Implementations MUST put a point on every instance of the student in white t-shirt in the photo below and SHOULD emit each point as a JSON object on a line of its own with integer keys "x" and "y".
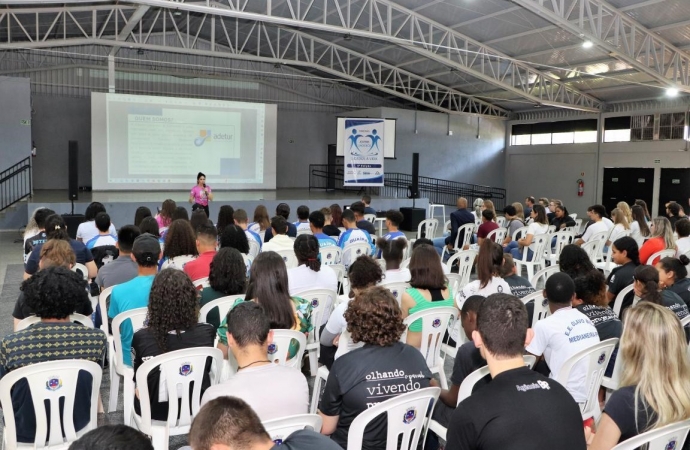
{"x": 562, "y": 334}
{"x": 302, "y": 224}
{"x": 621, "y": 224}
{"x": 489, "y": 281}
{"x": 393, "y": 250}
{"x": 539, "y": 225}
{"x": 103, "y": 237}
{"x": 596, "y": 214}
{"x": 87, "y": 230}
{"x": 683, "y": 241}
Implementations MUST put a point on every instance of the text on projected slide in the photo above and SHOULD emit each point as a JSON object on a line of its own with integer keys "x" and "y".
{"x": 206, "y": 138}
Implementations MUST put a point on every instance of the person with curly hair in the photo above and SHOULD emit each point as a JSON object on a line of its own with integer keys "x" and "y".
{"x": 226, "y": 215}
{"x": 574, "y": 261}
{"x": 172, "y": 324}
{"x": 227, "y": 276}
{"x": 364, "y": 377}
{"x": 88, "y": 230}
{"x": 165, "y": 214}
{"x": 392, "y": 251}
{"x": 180, "y": 241}
{"x": 52, "y": 294}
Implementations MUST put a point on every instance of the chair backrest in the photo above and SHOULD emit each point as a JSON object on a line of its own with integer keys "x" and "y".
{"x": 398, "y": 289}
{"x": 103, "y": 302}
{"x": 248, "y": 260}
{"x": 82, "y": 270}
{"x": 340, "y": 272}
{"x": 595, "y": 359}
{"x": 435, "y": 322}
{"x": 501, "y": 221}
{"x": 322, "y": 301}
{"x": 454, "y": 280}
{"x": 670, "y": 437}
{"x": 254, "y": 248}
{"x": 540, "y": 242}
{"x": 182, "y": 371}
{"x": 137, "y": 317}
{"x": 370, "y": 217}
{"x": 78, "y": 318}
{"x": 573, "y": 216}
{"x": 466, "y": 232}
{"x": 428, "y": 226}
{"x": 223, "y": 304}
{"x": 541, "y": 306}
{"x": 667, "y": 253}
{"x": 353, "y": 251}
{"x": 302, "y": 231}
{"x": 519, "y": 233}
{"x": 498, "y": 235}
{"x": 278, "y": 350}
{"x": 279, "y": 429}
{"x": 407, "y": 416}
{"x": 544, "y": 274}
{"x": 685, "y": 321}
{"x": 104, "y": 254}
{"x": 330, "y": 255}
{"x": 465, "y": 259}
{"x": 201, "y": 283}
{"x": 52, "y": 382}
{"x": 563, "y": 238}
{"x": 382, "y": 264}
{"x": 405, "y": 264}
{"x": 467, "y": 385}
{"x": 289, "y": 257}
{"x": 594, "y": 247}
{"x": 178, "y": 262}
{"x": 618, "y": 302}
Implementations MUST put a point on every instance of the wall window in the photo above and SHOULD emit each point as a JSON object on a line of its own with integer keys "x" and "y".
{"x": 521, "y": 139}
{"x": 547, "y": 133}
{"x": 585, "y": 137}
{"x": 617, "y": 129}
{"x": 617, "y": 135}
{"x": 563, "y": 138}
{"x": 541, "y": 139}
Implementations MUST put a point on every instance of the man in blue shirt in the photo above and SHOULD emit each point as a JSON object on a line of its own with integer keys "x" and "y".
{"x": 457, "y": 219}
{"x": 316, "y": 223}
{"x": 393, "y": 220}
{"x": 367, "y": 201}
{"x": 353, "y": 235}
{"x": 242, "y": 221}
{"x": 358, "y": 209}
{"x": 135, "y": 293}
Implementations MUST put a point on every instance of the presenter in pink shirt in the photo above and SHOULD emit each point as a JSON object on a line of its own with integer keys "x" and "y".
{"x": 200, "y": 194}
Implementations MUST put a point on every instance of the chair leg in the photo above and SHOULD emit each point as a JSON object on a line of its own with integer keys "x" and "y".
{"x": 114, "y": 389}
{"x": 313, "y": 361}
{"x": 442, "y": 376}
{"x": 315, "y": 396}
{"x": 128, "y": 400}
{"x": 160, "y": 437}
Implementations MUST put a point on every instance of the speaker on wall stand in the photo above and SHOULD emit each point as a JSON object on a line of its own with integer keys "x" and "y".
{"x": 73, "y": 220}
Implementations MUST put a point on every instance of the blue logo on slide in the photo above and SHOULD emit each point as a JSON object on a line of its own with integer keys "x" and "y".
{"x": 204, "y": 135}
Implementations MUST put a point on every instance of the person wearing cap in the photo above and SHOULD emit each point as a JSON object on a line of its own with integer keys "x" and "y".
{"x": 133, "y": 294}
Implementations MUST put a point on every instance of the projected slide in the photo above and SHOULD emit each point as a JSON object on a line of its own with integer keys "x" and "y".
{"x": 161, "y": 143}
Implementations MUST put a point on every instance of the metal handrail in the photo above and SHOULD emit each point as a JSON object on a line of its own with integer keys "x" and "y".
{"x": 15, "y": 183}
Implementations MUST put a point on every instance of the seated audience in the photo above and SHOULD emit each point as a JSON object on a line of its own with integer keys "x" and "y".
{"x": 329, "y": 227}
{"x": 103, "y": 237}
{"x": 57, "y": 229}
{"x": 527, "y": 210}
{"x": 513, "y": 222}
{"x": 362, "y": 274}
{"x": 683, "y": 241}
{"x": 538, "y": 225}
{"x": 457, "y": 219}
{"x": 562, "y": 334}
{"x": 626, "y": 255}
{"x": 639, "y": 229}
{"x": 54, "y": 253}
{"x": 241, "y": 220}
{"x": 165, "y": 214}
{"x": 199, "y": 218}
{"x": 180, "y": 213}
{"x": 573, "y": 261}
{"x": 87, "y": 229}
{"x": 226, "y": 216}
{"x": 38, "y": 234}
{"x": 280, "y": 239}
{"x": 642, "y": 204}
{"x": 551, "y": 208}
{"x": 227, "y": 276}
{"x": 206, "y": 241}
{"x": 180, "y": 242}
{"x": 358, "y": 209}
{"x": 171, "y": 324}
{"x": 478, "y": 207}
{"x": 654, "y": 391}
{"x": 392, "y": 251}
{"x": 282, "y": 210}
{"x": 135, "y": 293}
{"x": 302, "y": 223}
{"x": 596, "y": 214}
{"x": 425, "y": 241}
{"x": 317, "y": 221}
{"x": 272, "y": 390}
{"x": 661, "y": 239}
{"x": 647, "y": 288}
{"x": 310, "y": 273}
{"x": 490, "y": 419}
{"x": 561, "y": 218}
{"x": 367, "y": 205}
{"x": 31, "y": 228}
{"x": 620, "y": 225}
{"x": 489, "y": 281}
{"x": 393, "y": 220}
{"x": 428, "y": 289}
{"x": 625, "y": 209}
{"x": 113, "y": 437}
{"x": 519, "y": 286}
{"x": 374, "y": 318}
{"x": 488, "y": 204}
{"x": 123, "y": 268}
{"x": 261, "y": 221}
{"x": 52, "y": 294}
{"x": 673, "y": 211}
{"x": 488, "y": 225}
{"x": 673, "y": 274}
{"x": 140, "y": 214}
{"x": 225, "y": 422}
{"x": 353, "y": 235}
{"x": 150, "y": 226}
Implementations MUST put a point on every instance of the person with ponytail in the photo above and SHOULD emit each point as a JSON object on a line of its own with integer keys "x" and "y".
{"x": 639, "y": 229}
{"x": 57, "y": 229}
{"x": 654, "y": 389}
{"x": 647, "y": 289}
{"x": 310, "y": 273}
{"x": 489, "y": 281}
{"x": 672, "y": 276}
{"x": 392, "y": 251}
{"x": 626, "y": 255}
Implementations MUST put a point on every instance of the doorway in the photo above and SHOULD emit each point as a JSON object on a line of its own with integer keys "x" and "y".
{"x": 674, "y": 187}
{"x": 627, "y": 184}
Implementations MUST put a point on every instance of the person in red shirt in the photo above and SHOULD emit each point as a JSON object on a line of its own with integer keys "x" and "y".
{"x": 661, "y": 239}
{"x": 206, "y": 242}
{"x": 487, "y": 226}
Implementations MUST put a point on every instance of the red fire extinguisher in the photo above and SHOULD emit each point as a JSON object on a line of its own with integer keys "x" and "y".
{"x": 580, "y": 187}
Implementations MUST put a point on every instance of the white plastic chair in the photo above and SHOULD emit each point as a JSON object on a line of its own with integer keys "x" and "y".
{"x": 465, "y": 259}
{"x": 670, "y": 437}
{"x": 540, "y": 242}
{"x": 248, "y": 260}
{"x": 405, "y": 264}
{"x": 432, "y": 210}
{"x": 397, "y": 289}
{"x": 466, "y": 231}
{"x": 279, "y": 429}
{"x": 103, "y": 302}
{"x": 454, "y": 281}
{"x": 544, "y": 275}
{"x": 319, "y": 381}
{"x": 435, "y": 323}
{"x": 519, "y": 233}
{"x": 78, "y": 318}
{"x": 201, "y": 283}
{"x": 407, "y": 416}
{"x": 685, "y": 321}
{"x": 573, "y": 216}
{"x": 178, "y": 262}
{"x": 340, "y": 272}
{"x": 430, "y": 226}
{"x": 618, "y": 302}
{"x": 304, "y": 231}
{"x": 563, "y": 238}
{"x": 330, "y": 255}
{"x": 607, "y": 265}
{"x": 353, "y": 251}
{"x": 667, "y": 253}
{"x": 50, "y": 382}
{"x": 501, "y": 221}
{"x": 578, "y": 225}
{"x": 278, "y": 349}
{"x": 254, "y": 248}
{"x": 594, "y": 247}
{"x": 289, "y": 257}
{"x": 137, "y": 317}
{"x": 179, "y": 369}
{"x": 322, "y": 301}
{"x": 370, "y": 217}
{"x": 81, "y": 269}
{"x": 597, "y": 359}
{"x": 498, "y": 235}
{"x": 223, "y": 304}
{"x": 541, "y": 306}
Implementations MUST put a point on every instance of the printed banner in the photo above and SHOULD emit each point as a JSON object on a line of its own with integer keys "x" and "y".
{"x": 364, "y": 152}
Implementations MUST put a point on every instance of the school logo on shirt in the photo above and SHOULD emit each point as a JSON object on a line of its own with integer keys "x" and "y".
{"x": 314, "y": 302}
{"x": 602, "y": 358}
{"x": 278, "y": 441}
{"x": 186, "y": 369}
{"x": 545, "y": 303}
{"x": 410, "y": 416}
{"x": 272, "y": 349}
{"x": 436, "y": 323}
{"x": 53, "y": 383}
{"x": 671, "y": 445}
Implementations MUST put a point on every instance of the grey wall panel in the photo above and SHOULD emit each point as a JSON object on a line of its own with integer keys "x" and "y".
{"x": 15, "y": 105}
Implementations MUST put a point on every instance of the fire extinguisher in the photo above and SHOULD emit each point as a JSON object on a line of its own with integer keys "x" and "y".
{"x": 580, "y": 187}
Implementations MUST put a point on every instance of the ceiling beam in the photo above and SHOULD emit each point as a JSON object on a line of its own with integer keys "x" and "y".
{"x": 134, "y": 20}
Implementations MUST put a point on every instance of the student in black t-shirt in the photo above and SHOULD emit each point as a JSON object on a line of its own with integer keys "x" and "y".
{"x": 362, "y": 223}
{"x": 647, "y": 289}
{"x": 654, "y": 380}
{"x": 672, "y": 276}
{"x": 40, "y": 217}
{"x": 626, "y": 255}
{"x": 113, "y": 437}
{"x": 574, "y": 261}
{"x": 520, "y": 409}
{"x": 172, "y": 324}
{"x": 384, "y": 368}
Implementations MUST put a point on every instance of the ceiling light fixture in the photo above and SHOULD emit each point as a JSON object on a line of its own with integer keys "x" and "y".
{"x": 672, "y": 92}
{"x": 348, "y": 37}
{"x": 587, "y": 44}
{"x": 177, "y": 13}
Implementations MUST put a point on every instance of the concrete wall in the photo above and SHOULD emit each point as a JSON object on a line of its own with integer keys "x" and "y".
{"x": 15, "y": 105}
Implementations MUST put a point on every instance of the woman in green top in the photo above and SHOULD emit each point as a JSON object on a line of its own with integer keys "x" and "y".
{"x": 429, "y": 288}
{"x": 268, "y": 286}
{"x": 227, "y": 277}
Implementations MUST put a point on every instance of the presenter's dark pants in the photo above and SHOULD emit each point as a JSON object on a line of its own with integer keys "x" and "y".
{"x": 198, "y": 206}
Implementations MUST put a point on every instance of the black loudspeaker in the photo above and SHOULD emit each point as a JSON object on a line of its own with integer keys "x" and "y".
{"x": 73, "y": 221}
{"x": 414, "y": 188}
{"x": 411, "y": 218}
{"x": 73, "y": 170}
